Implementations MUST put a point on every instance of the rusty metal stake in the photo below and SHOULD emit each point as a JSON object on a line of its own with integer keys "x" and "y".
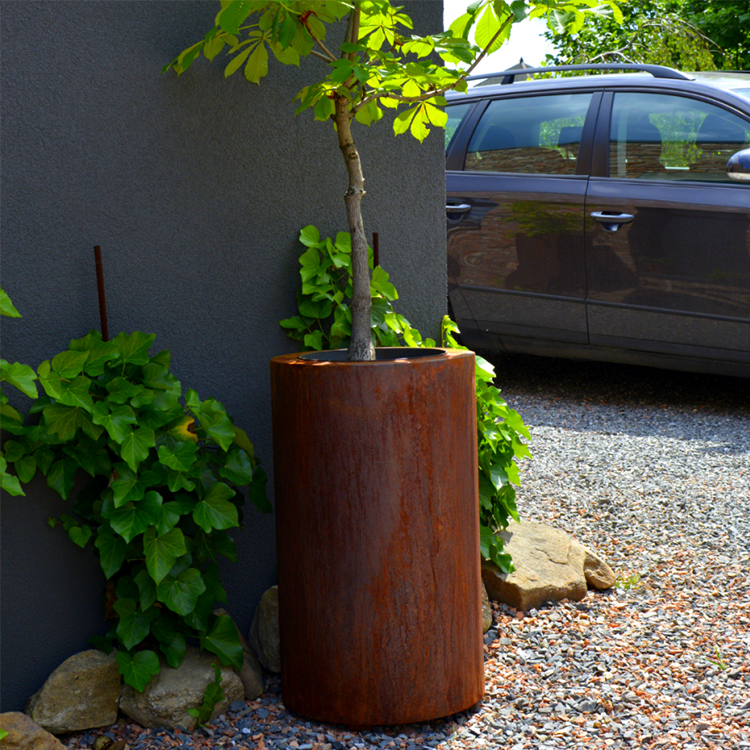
{"x": 375, "y": 250}
{"x": 102, "y": 299}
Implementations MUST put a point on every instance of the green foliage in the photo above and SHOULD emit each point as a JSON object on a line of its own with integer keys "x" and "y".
{"x": 21, "y": 377}
{"x": 727, "y": 23}
{"x": 324, "y": 300}
{"x": 661, "y": 32}
{"x": 380, "y": 63}
{"x": 162, "y": 492}
{"x": 324, "y": 322}
{"x": 211, "y": 698}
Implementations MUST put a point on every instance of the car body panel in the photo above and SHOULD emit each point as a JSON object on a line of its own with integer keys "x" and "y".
{"x": 530, "y": 270}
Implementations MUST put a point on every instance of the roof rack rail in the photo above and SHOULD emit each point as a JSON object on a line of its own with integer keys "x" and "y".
{"x": 657, "y": 71}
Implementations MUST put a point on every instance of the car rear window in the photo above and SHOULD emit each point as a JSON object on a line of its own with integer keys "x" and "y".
{"x": 529, "y": 135}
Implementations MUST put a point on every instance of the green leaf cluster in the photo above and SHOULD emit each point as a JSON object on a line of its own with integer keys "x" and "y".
{"x": 163, "y": 474}
{"x": 324, "y": 299}
{"x": 22, "y": 378}
{"x": 324, "y": 322}
{"x": 683, "y": 34}
{"x": 381, "y": 63}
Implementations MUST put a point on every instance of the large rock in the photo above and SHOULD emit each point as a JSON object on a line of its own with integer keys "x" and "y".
{"x": 24, "y": 734}
{"x": 167, "y": 697}
{"x": 486, "y": 610}
{"x": 251, "y": 674}
{"x": 264, "y": 631}
{"x": 82, "y": 693}
{"x": 549, "y": 566}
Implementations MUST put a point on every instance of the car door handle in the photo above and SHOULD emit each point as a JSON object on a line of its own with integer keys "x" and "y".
{"x": 611, "y": 222}
{"x": 461, "y": 208}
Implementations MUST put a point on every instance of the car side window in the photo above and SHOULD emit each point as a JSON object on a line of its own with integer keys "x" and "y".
{"x": 658, "y": 137}
{"x": 529, "y": 135}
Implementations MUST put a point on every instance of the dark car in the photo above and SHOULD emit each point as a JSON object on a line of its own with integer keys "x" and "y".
{"x": 596, "y": 217}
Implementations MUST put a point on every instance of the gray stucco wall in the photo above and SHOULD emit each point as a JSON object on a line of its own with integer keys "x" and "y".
{"x": 195, "y": 188}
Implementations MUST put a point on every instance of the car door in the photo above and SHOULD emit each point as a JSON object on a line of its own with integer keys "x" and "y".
{"x": 515, "y": 239}
{"x": 668, "y": 248}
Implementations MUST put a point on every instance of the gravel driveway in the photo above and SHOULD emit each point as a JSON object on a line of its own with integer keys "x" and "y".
{"x": 652, "y": 469}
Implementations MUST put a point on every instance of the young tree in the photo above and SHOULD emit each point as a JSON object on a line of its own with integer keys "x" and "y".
{"x": 379, "y": 64}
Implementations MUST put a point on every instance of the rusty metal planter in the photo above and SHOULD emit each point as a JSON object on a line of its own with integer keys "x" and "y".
{"x": 375, "y": 471}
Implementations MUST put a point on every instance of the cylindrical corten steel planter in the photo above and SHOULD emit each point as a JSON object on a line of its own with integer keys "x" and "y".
{"x": 375, "y": 472}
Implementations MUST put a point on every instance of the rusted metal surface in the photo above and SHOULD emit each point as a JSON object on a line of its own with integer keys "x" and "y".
{"x": 375, "y": 469}
{"x": 102, "y": 298}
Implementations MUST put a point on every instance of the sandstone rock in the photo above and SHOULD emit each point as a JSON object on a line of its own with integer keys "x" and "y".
{"x": 598, "y": 574}
{"x": 251, "y": 674}
{"x": 166, "y": 699}
{"x": 549, "y": 567}
{"x": 264, "y": 632}
{"x": 24, "y": 734}
{"x": 486, "y": 610}
{"x": 82, "y": 693}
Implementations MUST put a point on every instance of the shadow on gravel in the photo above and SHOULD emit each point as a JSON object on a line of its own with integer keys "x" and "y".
{"x": 616, "y": 384}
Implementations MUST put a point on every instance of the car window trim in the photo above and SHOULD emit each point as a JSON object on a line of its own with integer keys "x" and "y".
{"x": 456, "y": 156}
{"x": 456, "y": 160}
{"x": 600, "y": 163}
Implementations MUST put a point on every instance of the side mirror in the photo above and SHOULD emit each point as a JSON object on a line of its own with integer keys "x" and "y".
{"x": 738, "y": 166}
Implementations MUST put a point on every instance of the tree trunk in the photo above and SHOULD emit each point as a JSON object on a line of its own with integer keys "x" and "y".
{"x": 360, "y": 348}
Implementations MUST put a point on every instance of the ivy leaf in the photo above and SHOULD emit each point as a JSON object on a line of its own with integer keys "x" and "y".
{"x": 181, "y": 594}
{"x": 25, "y": 468}
{"x": 257, "y": 491}
{"x": 6, "y": 306}
{"x": 215, "y": 511}
{"x": 93, "y": 460}
{"x": 146, "y": 590}
{"x": 20, "y": 376}
{"x": 45, "y": 457}
{"x": 224, "y": 641}
{"x": 181, "y": 458}
{"x": 63, "y": 421}
{"x": 61, "y": 476}
{"x": 80, "y": 535}
{"x": 162, "y": 552}
{"x": 135, "y": 446}
{"x": 174, "y": 649}
{"x": 167, "y": 518}
{"x": 219, "y": 427}
{"x": 112, "y": 551}
{"x": 134, "y": 625}
{"x": 69, "y": 364}
{"x": 99, "y": 355}
{"x": 238, "y": 467}
{"x": 122, "y": 390}
{"x": 137, "y": 670}
{"x": 8, "y": 482}
{"x": 76, "y": 393}
{"x": 116, "y": 422}
{"x": 135, "y": 347}
{"x": 131, "y": 519}
{"x": 129, "y": 486}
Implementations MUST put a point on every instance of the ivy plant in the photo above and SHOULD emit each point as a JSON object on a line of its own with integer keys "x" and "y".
{"x": 212, "y": 695}
{"x": 379, "y": 64}
{"x": 163, "y": 473}
{"x": 324, "y": 303}
{"x": 21, "y": 377}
